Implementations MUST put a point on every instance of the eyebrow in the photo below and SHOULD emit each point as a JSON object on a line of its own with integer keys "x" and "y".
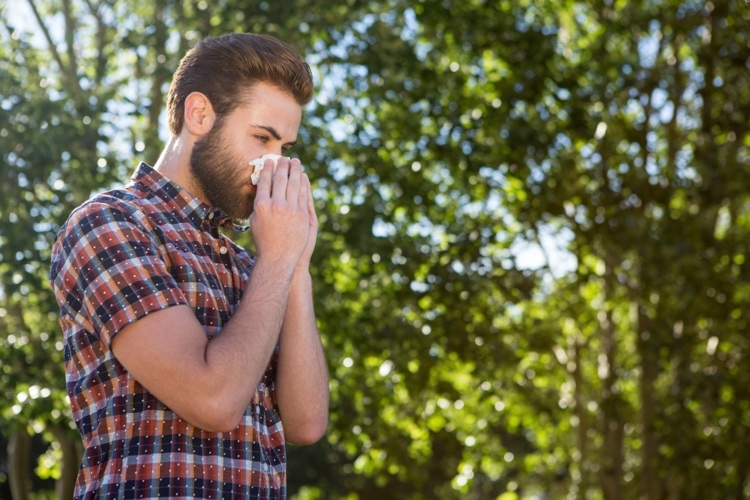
{"x": 274, "y": 133}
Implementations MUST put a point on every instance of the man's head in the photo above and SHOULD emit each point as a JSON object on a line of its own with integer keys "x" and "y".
{"x": 225, "y": 68}
{"x": 220, "y": 159}
{"x": 234, "y": 98}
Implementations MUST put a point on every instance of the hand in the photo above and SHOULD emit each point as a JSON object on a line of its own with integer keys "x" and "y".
{"x": 280, "y": 220}
{"x": 312, "y": 236}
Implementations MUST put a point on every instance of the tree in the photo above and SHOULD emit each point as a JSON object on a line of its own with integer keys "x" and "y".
{"x": 449, "y": 143}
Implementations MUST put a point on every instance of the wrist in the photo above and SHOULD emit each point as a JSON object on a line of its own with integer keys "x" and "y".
{"x": 302, "y": 271}
{"x": 280, "y": 267}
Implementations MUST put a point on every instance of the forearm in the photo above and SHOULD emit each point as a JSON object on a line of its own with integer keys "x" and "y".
{"x": 236, "y": 359}
{"x": 208, "y": 383}
{"x": 302, "y": 376}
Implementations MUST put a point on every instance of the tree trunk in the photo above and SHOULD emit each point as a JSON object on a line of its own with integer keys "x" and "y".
{"x": 161, "y": 75}
{"x": 580, "y": 412}
{"x": 19, "y": 448}
{"x": 612, "y": 425}
{"x": 742, "y": 466}
{"x": 650, "y": 485}
{"x": 71, "y": 459}
{"x": 741, "y": 479}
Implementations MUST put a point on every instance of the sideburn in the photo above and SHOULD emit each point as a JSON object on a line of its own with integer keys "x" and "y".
{"x": 215, "y": 170}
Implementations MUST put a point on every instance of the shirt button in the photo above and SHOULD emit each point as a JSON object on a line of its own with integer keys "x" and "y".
{"x": 223, "y": 250}
{"x": 211, "y": 215}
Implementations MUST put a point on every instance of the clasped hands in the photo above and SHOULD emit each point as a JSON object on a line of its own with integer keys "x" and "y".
{"x": 284, "y": 224}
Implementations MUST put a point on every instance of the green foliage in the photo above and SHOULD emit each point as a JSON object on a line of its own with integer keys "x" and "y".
{"x": 448, "y": 143}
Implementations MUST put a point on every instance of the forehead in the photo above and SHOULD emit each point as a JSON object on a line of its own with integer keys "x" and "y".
{"x": 268, "y": 105}
{"x": 262, "y": 93}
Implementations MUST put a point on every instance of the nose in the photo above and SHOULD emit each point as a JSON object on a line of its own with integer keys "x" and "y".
{"x": 271, "y": 151}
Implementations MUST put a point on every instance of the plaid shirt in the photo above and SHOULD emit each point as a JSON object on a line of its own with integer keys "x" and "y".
{"x": 123, "y": 254}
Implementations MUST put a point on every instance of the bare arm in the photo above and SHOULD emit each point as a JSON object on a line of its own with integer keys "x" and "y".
{"x": 302, "y": 377}
{"x": 210, "y": 383}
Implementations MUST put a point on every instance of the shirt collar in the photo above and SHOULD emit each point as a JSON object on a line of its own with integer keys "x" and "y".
{"x": 201, "y": 215}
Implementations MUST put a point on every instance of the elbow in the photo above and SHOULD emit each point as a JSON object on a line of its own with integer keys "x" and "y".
{"x": 221, "y": 423}
{"x": 218, "y": 416}
{"x": 308, "y": 432}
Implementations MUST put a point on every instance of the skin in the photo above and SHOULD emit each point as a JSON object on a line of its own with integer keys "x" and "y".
{"x": 211, "y": 383}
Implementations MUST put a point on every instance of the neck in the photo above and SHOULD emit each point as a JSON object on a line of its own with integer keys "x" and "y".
{"x": 174, "y": 163}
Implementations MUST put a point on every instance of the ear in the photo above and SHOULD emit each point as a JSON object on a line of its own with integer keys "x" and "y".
{"x": 199, "y": 114}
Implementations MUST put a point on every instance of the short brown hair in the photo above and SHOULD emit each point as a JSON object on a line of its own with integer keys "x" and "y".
{"x": 224, "y": 68}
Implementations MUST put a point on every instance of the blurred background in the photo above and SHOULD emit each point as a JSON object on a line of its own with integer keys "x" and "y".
{"x": 531, "y": 278}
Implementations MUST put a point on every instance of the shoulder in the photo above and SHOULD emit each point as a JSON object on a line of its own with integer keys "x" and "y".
{"x": 103, "y": 223}
{"x": 108, "y": 210}
{"x": 123, "y": 200}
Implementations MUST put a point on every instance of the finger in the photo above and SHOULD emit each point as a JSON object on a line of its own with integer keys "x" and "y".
{"x": 294, "y": 182}
{"x": 263, "y": 192}
{"x": 304, "y": 192}
{"x": 312, "y": 216}
{"x": 310, "y": 202}
{"x": 281, "y": 178}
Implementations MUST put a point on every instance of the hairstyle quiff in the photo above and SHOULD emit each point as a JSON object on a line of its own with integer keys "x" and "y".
{"x": 226, "y": 67}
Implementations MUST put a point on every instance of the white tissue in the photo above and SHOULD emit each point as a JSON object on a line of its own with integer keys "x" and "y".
{"x": 258, "y": 163}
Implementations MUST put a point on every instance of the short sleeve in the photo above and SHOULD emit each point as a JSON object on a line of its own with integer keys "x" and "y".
{"x": 108, "y": 270}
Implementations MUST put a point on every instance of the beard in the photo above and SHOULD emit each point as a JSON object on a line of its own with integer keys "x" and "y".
{"x": 220, "y": 174}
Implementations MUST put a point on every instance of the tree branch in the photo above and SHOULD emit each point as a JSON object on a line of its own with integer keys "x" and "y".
{"x": 48, "y": 36}
{"x": 72, "y": 73}
{"x": 101, "y": 40}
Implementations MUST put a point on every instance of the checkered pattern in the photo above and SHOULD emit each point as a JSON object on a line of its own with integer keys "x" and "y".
{"x": 123, "y": 254}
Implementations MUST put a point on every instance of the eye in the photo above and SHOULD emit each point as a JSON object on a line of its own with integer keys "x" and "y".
{"x": 262, "y": 138}
{"x": 286, "y": 147}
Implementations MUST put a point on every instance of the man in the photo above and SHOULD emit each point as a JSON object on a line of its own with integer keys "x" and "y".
{"x": 183, "y": 353}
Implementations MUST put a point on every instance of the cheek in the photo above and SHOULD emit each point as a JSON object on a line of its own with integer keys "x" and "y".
{"x": 247, "y": 152}
{"x": 237, "y": 147}
{"x": 240, "y": 155}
